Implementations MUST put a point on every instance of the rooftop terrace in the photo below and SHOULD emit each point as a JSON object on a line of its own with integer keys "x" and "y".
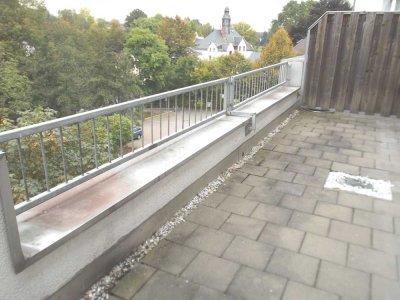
{"x": 154, "y": 218}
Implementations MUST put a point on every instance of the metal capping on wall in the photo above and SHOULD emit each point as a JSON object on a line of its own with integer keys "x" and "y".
{"x": 353, "y": 63}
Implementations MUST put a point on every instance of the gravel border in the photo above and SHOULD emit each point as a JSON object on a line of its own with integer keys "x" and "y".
{"x": 100, "y": 289}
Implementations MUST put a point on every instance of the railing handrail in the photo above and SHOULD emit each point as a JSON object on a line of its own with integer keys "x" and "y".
{"x": 258, "y": 70}
{"x": 87, "y": 115}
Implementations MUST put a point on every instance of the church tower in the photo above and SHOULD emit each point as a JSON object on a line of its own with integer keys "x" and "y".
{"x": 226, "y": 23}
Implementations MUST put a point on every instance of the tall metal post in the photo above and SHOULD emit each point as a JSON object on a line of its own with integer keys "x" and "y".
{"x": 8, "y": 215}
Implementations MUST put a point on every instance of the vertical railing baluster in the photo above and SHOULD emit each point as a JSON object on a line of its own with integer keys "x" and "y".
{"x": 151, "y": 117}
{"x": 80, "y": 148}
{"x": 168, "y": 115}
{"x": 142, "y": 119}
{"x": 44, "y": 160}
{"x": 22, "y": 167}
{"x": 220, "y": 98}
{"x": 195, "y": 107}
{"x": 176, "y": 113}
{"x": 206, "y": 101}
{"x": 120, "y": 136}
{"x": 183, "y": 111}
{"x": 108, "y": 139}
{"x": 132, "y": 128}
{"x": 190, "y": 111}
{"x": 160, "y": 114}
{"x": 211, "y": 100}
{"x": 201, "y": 105}
{"x": 63, "y": 155}
{"x": 95, "y": 142}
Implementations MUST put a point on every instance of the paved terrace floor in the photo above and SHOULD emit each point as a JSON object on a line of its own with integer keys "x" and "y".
{"x": 274, "y": 232}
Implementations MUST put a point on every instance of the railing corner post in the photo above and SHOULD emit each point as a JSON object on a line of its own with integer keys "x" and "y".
{"x": 9, "y": 216}
{"x": 228, "y": 95}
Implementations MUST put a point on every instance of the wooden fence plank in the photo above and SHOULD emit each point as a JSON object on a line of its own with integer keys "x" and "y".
{"x": 316, "y": 69}
{"x": 344, "y": 62}
{"x": 309, "y": 65}
{"x": 360, "y": 73}
{"x": 331, "y": 60}
{"x": 353, "y": 63}
{"x": 376, "y": 83}
{"x": 372, "y": 66}
{"x": 393, "y": 71}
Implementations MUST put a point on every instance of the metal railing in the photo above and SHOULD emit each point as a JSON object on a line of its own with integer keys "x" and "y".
{"x": 49, "y": 158}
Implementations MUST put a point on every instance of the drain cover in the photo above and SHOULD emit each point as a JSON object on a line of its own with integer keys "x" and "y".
{"x": 361, "y": 185}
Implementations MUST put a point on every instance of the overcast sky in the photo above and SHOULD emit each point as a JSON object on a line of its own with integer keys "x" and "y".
{"x": 258, "y": 14}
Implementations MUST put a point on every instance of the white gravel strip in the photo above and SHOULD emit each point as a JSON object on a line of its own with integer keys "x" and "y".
{"x": 100, "y": 289}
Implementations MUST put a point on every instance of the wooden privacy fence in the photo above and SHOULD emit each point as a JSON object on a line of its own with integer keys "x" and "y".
{"x": 354, "y": 63}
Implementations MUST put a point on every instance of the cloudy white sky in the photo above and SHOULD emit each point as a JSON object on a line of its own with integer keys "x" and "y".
{"x": 258, "y": 14}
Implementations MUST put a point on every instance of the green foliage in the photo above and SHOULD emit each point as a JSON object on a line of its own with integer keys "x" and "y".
{"x": 178, "y": 36}
{"x": 134, "y": 15}
{"x": 248, "y": 33}
{"x": 278, "y": 47}
{"x": 180, "y": 72}
{"x": 297, "y": 17}
{"x": 292, "y": 16}
{"x": 150, "y": 57}
{"x": 201, "y": 29}
{"x": 222, "y": 66}
{"x": 152, "y": 23}
{"x": 15, "y": 87}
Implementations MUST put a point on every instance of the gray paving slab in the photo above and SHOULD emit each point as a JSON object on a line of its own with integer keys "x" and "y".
{"x": 334, "y": 211}
{"x": 282, "y": 236}
{"x": 309, "y": 223}
{"x": 350, "y": 233}
{"x": 244, "y": 226}
{"x": 272, "y": 213}
{"x": 343, "y": 281}
{"x": 211, "y": 271}
{"x": 324, "y": 248}
{"x": 129, "y": 285}
{"x": 166, "y": 286}
{"x": 170, "y": 257}
{"x": 207, "y": 216}
{"x": 251, "y": 284}
{"x": 265, "y": 195}
{"x": 372, "y": 261}
{"x": 383, "y": 288}
{"x": 238, "y": 205}
{"x": 209, "y": 240}
{"x": 294, "y": 266}
{"x": 249, "y": 253}
{"x": 298, "y": 291}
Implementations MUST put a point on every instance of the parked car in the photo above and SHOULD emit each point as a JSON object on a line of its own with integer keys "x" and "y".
{"x": 137, "y": 133}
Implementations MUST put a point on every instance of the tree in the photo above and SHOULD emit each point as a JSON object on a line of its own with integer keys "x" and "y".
{"x": 248, "y": 33}
{"x": 150, "y": 58}
{"x": 293, "y": 13}
{"x": 201, "y": 29}
{"x": 15, "y": 89}
{"x": 133, "y": 15}
{"x": 178, "y": 35}
{"x": 220, "y": 67}
{"x": 278, "y": 47}
{"x": 180, "y": 72}
{"x": 152, "y": 23}
{"x": 298, "y": 17}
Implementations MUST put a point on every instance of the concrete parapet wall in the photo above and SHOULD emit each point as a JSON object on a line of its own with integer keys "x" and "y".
{"x": 82, "y": 258}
